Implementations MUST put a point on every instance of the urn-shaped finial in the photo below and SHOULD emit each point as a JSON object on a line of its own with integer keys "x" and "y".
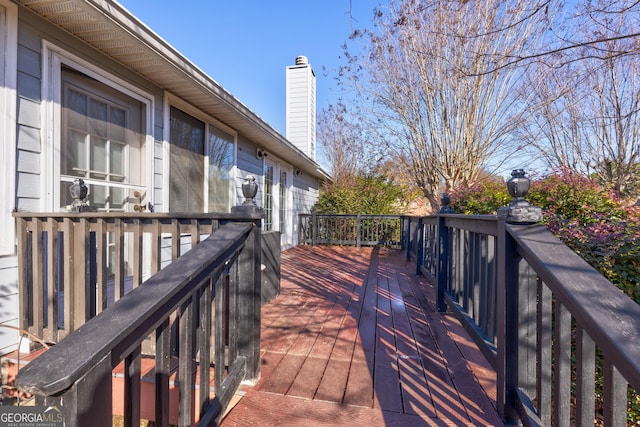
{"x": 518, "y": 185}
{"x": 519, "y": 210}
{"x": 79, "y": 192}
{"x": 444, "y": 203}
{"x": 249, "y": 190}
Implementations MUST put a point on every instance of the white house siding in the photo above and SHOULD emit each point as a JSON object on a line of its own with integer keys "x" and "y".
{"x": 305, "y": 195}
{"x": 8, "y": 304}
{"x": 247, "y": 164}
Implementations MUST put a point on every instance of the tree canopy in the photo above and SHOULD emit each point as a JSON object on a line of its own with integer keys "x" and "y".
{"x": 450, "y": 89}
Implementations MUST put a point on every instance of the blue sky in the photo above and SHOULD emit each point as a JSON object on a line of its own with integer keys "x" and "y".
{"x": 245, "y": 45}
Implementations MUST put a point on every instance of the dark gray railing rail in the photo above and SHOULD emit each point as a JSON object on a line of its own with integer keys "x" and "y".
{"x": 543, "y": 317}
{"x": 182, "y": 305}
{"x": 356, "y": 230}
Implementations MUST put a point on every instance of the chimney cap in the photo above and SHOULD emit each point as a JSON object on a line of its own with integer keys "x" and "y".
{"x": 301, "y": 60}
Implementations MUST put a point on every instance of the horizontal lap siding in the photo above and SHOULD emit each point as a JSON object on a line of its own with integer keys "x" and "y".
{"x": 248, "y": 164}
{"x": 305, "y": 195}
{"x": 8, "y": 304}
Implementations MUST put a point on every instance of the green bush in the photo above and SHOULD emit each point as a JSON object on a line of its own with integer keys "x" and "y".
{"x": 485, "y": 197}
{"x": 370, "y": 194}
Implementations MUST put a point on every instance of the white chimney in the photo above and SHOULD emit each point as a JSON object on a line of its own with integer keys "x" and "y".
{"x": 301, "y": 106}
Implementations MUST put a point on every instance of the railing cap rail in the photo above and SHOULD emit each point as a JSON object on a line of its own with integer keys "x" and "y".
{"x": 123, "y": 325}
{"x": 394, "y": 216}
{"x": 244, "y": 216}
{"x": 610, "y": 317}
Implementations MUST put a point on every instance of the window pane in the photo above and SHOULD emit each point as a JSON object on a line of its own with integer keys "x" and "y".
{"x": 117, "y": 124}
{"x": 77, "y": 109}
{"x": 98, "y": 156}
{"x": 116, "y": 159}
{"x": 75, "y": 161}
{"x": 268, "y": 197}
{"x": 283, "y": 201}
{"x": 65, "y": 194}
{"x": 220, "y": 152}
{"x": 116, "y": 198}
{"x": 98, "y": 196}
{"x": 186, "y": 172}
{"x": 98, "y": 118}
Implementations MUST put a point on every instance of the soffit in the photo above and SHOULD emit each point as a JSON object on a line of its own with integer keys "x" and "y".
{"x": 111, "y": 29}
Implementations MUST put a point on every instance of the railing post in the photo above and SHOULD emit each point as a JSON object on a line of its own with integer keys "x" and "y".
{"x": 250, "y": 290}
{"x": 409, "y": 239}
{"x": 443, "y": 253}
{"x": 443, "y": 263}
{"x": 420, "y": 247}
{"x": 80, "y": 404}
{"x": 506, "y": 323}
{"x": 358, "y": 230}
{"x": 516, "y": 304}
{"x": 314, "y": 229}
{"x": 249, "y": 286}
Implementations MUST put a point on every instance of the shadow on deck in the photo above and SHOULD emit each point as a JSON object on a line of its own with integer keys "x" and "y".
{"x": 354, "y": 339}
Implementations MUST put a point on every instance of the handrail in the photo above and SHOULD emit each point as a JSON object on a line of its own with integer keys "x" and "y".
{"x": 542, "y": 316}
{"x": 344, "y": 229}
{"x": 64, "y": 258}
{"x": 79, "y": 367}
{"x": 517, "y": 288}
{"x": 604, "y": 317}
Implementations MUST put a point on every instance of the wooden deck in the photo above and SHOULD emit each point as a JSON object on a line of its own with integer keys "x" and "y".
{"x": 354, "y": 339}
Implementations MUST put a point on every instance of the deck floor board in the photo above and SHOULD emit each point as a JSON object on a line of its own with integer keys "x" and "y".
{"x": 354, "y": 339}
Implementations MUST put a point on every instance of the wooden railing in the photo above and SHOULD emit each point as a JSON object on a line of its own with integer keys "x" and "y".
{"x": 357, "y": 230}
{"x": 544, "y": 318}
{"x": 183, "y": 307}
{"x": 73, "y": 265}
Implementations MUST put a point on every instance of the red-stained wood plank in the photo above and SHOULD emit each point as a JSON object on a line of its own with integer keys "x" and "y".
{"x": 387, "y": 387}
{"x": 307, "y": 337}
{"x": 309, "y": 377}
{"x": 268, "y": 363}
{"x": 323, "y": 346}
{"x": 416, "y": 396}
{"x": 334, "y": 381}
{"x": 285, "y": 332}
{"x": 284, "y": 374}
{"x": 367, "y": 325}
{"x": 359, "y": 385}
{"x": 474, "y": 397}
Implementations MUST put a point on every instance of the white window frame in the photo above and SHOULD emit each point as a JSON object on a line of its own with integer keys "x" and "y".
{"x": 275, "y": 195}
{"x": 8, "y": 120}
{"x": 170, "y": 100}
{"x": 54, "y": 58}
{"x": 278, "y": 167}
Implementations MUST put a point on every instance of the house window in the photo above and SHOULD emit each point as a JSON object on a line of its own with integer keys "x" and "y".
{"x": 101, "y": 142}
{"x": 186, "y": 173}
{"x": 200, "y": 173}
{"x": 268, "y": 197}
{"x": 220, "y": 151}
